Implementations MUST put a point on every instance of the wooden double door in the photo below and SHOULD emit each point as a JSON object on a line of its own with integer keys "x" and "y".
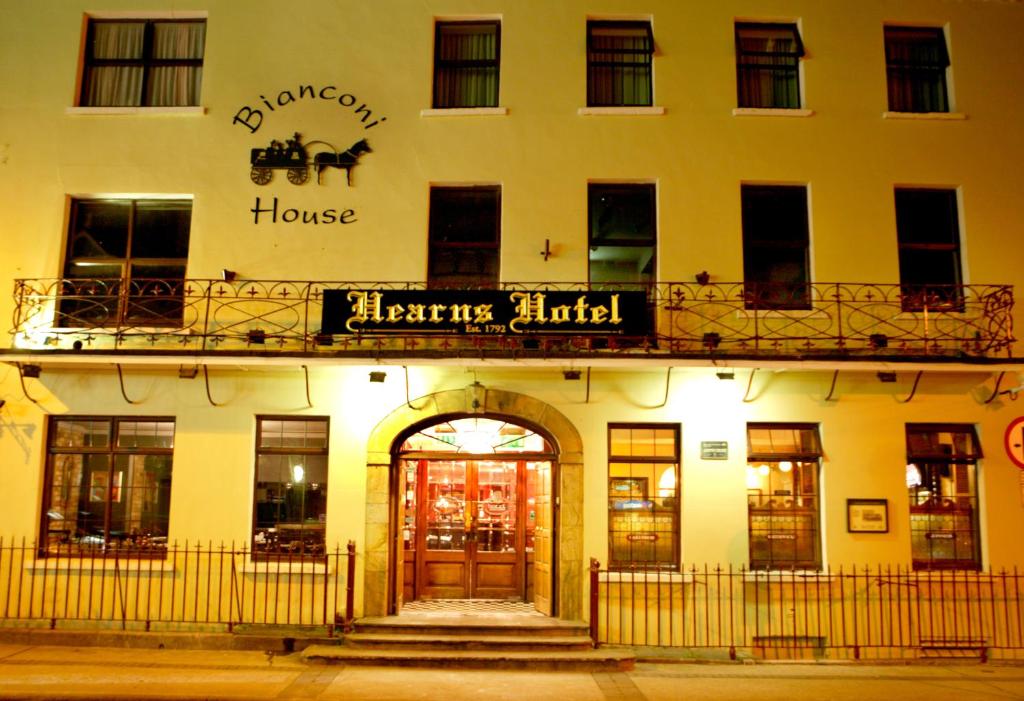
{"x": 471, "y": 527}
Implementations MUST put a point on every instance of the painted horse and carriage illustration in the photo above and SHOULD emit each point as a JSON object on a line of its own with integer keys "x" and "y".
{"x": 292, "y": 157}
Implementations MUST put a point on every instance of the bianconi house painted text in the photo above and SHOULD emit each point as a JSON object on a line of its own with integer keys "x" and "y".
{"x": 252, "y": 117}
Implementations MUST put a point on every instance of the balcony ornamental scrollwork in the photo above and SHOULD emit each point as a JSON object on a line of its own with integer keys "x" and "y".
{"x": 684, "y": 318}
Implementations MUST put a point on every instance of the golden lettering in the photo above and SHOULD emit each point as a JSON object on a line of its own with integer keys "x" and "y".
{"x": 395, "y": 312}
{"x": 529, "y": 309}
{"x": 435, "y": 313}
{"x": 599, "y": 314}
{"x": 482, "y": 313}
{"x": 365, "y": 307}
{"x": 461, "y": 313}
{"x": 416, "y": 313}
{"x": 560, "y": 314}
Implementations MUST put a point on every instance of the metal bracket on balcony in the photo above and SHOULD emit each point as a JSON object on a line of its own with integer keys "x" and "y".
{"x": 913, "y": 390}
{"x": 750, "y": 383}
{"x": 120, "y": 379}
{"x": 995, "y": 392}
{"x": 28, "y": 371}
{"x": 309, "y": 402}
{"x": 835, "y": 376}
{"x": 206, "y": 377}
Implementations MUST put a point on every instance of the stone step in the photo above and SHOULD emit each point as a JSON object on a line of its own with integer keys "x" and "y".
{"x": 541, "y": 627}
{"x": 477, "y": 641}
{"x": 568, "y": 660}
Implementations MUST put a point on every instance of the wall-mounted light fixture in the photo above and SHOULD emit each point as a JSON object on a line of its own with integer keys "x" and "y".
{"x": 726, "y": 375}
{"x": 257, "y": 336}
{"x": 377, "y": 375}
{"x": 31, "y": 370}
{"x": 188, "y": 372}
{"x": 228, "y": 275}
{"x": 571, "y": 374}
{"x": 878, "y": 340}
{"x": 886, "y": 376}
{"x": 703, "y": 277}
{"x": 323, "y": 339}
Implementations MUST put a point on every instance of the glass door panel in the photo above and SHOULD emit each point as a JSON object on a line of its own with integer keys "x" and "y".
{"x": 445, "y": 505}
{"x": 497, "y": 506}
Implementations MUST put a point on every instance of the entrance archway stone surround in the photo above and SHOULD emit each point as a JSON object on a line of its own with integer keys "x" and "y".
{"x": 476, "y": 399}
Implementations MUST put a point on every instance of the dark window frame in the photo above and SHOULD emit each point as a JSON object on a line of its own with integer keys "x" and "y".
{"x": 801, "y": 460}
{"x": 142, "y": 548}
{"x": 674, "y": 507}
{"x": 486, "y": 248}
{"x": 914, "y": 85}
{"x": 957, "y": 515}
{"x": 312, "y": 547}
{"x": 595, "y": 190}
{"x": 771, "y": 295}
{"x": 943, "y": 295}
{"x": 147, "y": 62}
{"x": 621, "y": 59}
{"x": 126, "y": 300}
{"x": 457, "y": 67}
{"x": 751, "y": 66}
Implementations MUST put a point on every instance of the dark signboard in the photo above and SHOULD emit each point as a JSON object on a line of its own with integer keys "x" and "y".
{"x": 620, "y": 313}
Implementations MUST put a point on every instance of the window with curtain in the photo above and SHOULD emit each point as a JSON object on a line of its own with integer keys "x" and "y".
{"x": 465, "y": 237}
{"x": 619, "y": 61}
{"x": 466, "y": 64}
{"x": 916, "y": 61}
{"x": 768, "y": 65}
{"x": 143, "y": 63}
{"x": 643, "y": 496}
{"x": 783, "y": 496}
{"x": 622, "y": 233}
{"x": 776, "y": 243}
{"x": 942, "y": 484}
{"x": 125, "y": 263}
{"x": 108, "y": 486}
{"x": 928, "y": 233}
{"x": 290, "y": 497}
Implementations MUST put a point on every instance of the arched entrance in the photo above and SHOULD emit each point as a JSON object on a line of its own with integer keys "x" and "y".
{"x": 384, "y": 539}
{"x": 475, "y": 509}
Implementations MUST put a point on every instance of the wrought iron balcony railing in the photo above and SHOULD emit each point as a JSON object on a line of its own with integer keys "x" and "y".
{"x": 681, "y": 319}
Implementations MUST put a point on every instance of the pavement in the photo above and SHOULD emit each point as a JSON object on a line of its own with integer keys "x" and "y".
{"x": 39, "y": 672}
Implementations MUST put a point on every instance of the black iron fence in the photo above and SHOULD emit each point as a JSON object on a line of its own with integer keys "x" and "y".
{"x": 870, "y": 612}
{"x": 684, "y": 319}
{"x": 192, "y": 584}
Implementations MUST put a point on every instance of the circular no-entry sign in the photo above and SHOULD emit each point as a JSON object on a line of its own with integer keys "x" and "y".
{"x": 1014, "y": 441}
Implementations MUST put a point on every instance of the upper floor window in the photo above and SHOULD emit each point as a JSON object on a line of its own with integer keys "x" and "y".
{"x": 623, "y": 232}
{"x": 916, "y": 61}
{"x": 768, "y": 65}
{"x": 776, "y": 243}
{"x": 942, "y": 483}
{"x": 783, "y": 496}
{"x": 465, "y": 236}
{"x": 643, "y": 496}
{"x": 108, "y": 485}
{"x": 619, "y": 58}
{"x": 290, "y": 512}
{"x": 466, "y": 64}
{"x": 143, "y": 63}
{"x": 928, "y": 231}
{"x": 125, "y": 263}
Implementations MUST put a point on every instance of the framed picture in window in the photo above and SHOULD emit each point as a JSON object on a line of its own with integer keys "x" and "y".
{"x": 633, "y": 487}
{"x": 867, "y": 515}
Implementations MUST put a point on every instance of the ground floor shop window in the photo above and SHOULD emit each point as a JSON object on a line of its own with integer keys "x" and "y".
{"x": 942, "y": 483}
{"x": 643, "y": 496}
{"x": 290, "y": 511}
{"x": 782, "y": 496}
{"x": 108, "y": 485}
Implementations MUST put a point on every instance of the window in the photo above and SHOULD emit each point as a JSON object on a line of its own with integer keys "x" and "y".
{"x": 928, "y": 231}
{"x": 290, "y": 511}
{"x": 916, "y": 61}
{"x": 775, "y": 247}
{"x": 465, "y": 234}
{"x": 125, "y": 263}
{"x": 622, "y": 233}
{"x": 143, "y": 63}
{"x": 782, "y": 496}
{"x": 108, "y": 485}
{"x": 942, "y": 483}
{"x": 466, "y": 61}
{"x": 643, "y": 496}
{"x": 619, "y": 57}
{"x": 768, "y": 65}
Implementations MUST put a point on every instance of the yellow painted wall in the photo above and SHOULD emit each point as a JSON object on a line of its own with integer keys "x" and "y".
{"x": 543, "y": 153}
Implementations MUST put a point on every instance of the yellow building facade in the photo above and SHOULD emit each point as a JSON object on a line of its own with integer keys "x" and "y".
{"x": 723, "y": 284}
